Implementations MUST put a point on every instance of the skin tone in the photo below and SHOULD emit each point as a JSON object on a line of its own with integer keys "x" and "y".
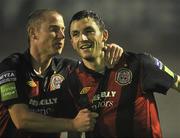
{"x": 88, "y": 41}
{"x": 47, "y": 40}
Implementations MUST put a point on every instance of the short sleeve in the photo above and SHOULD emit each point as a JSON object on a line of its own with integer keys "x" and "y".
{"x": 12, "y": 87}
{"x": 156, "y": 77}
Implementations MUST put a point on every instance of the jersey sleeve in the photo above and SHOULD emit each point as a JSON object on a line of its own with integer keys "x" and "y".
{"x": 155, "y": 77}
{"x": 11, "y": 84}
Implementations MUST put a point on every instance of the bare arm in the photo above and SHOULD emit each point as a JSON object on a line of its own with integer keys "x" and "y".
{"x": 176, "y": 85}
{"x": 23, "y": 118}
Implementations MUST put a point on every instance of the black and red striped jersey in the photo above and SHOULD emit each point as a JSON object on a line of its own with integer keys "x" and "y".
{"x": 20, "y": 84}
{"x": 123, "y": 96}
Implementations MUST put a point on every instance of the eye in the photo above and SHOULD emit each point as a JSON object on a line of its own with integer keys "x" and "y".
{"x": 75, "y": 34}
{"x": 89, "y": 30}
{"x": 53, "y": 29}
{"x": 62, "y": 29}
{"x": 56, "y": 29}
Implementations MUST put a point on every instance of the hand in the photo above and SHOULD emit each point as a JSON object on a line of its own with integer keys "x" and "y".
{"x": 85, "y": 120}
{"x": 113, "y": 53}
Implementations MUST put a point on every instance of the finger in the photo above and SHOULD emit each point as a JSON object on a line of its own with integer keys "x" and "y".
{"x": 85, "y": 110}
{"x": 94, "y": 114}
{"x": 106, "y": 55}
{"x": 120, "y": 52}
{"x": 117, "y": 56}
{"x": 93, "y": 121}
{"x": 112, "y": 53}
{"x": 92, "y": 127}
{"x": 87, "y": 128}
{"x": 104, "y": 48}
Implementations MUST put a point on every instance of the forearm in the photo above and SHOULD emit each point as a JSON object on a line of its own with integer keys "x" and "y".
{"x": 39, "y": 123}
{"x": 36, "y": 122}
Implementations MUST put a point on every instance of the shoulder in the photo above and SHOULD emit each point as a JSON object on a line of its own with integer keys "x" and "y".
{"x": 142, "y": 57}
{"x": 10, "y": 68}
{"x": 69, "y": 62}
{"x": 138, "y": 55}
{"x": 131, "y": 57}
{"x": 64, "y": 62}
{"x": 12, "y": 61}
{"x": 148, "y": 59}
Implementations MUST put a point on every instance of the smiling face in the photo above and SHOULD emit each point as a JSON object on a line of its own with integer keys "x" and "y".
{"x": 87, "y": 38}
{"x": 48, "y": 36}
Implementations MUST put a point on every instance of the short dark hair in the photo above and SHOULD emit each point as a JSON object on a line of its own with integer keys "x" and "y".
{"x": 37, "y": 16}
{"x": 88, "y": 13}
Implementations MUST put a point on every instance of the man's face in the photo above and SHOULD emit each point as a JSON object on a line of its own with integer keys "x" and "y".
{"x": 50, "y": 35}
{"x": 87, "y": 38}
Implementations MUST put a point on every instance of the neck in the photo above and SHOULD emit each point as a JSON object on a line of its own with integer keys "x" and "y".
{"x": 40, "y": 62}
{"x": 96, "y": 65}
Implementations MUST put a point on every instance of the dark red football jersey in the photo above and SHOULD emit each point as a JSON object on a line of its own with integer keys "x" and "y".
{"x": 123, "y": 96}
{"x": 20, "y": 84}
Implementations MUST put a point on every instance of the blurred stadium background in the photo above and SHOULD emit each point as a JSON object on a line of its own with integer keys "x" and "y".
{"x": 139, "y": 26}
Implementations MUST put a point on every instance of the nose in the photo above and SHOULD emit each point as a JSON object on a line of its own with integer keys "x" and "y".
{"x": 60, "y": 34}
{"x": 83, "y": 37}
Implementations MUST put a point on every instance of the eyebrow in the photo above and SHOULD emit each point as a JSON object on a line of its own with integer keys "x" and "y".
{"x": 74, "y": 31}
{"x": 56, "y": 26}
{"x": 88, "y": 27}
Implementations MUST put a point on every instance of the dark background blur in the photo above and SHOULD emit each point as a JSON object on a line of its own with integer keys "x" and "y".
{"x": 137, "y": 25}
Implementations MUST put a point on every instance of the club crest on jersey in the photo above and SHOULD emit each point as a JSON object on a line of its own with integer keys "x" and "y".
{"x": 56, "y": 81}
{"x": 124, "y": 76}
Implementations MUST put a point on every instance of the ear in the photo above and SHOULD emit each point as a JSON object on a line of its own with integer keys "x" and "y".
{"x": 32, "y": 33}
{"x": 105, "y": 35}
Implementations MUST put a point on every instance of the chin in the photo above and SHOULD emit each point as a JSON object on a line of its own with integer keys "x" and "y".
{"x": 89, "y": 58}
{"x": 55, "y": 54}
{"x": 60, "y": 51}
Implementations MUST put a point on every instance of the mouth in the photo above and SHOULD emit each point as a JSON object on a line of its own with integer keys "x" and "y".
{"x": 58, "y": 45}
{"x": 86, "y": 46}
